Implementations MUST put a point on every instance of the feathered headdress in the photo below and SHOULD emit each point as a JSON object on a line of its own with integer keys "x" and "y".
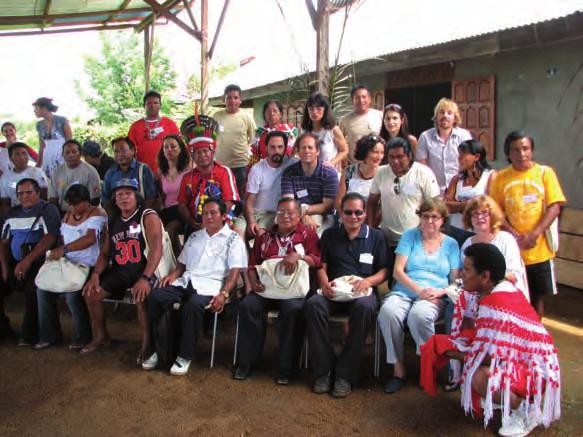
{"x": 201, "y": 131}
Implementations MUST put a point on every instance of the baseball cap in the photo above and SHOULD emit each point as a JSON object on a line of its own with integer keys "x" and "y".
{"x": 126, "y": 183}
{"x": 91, "y": 148}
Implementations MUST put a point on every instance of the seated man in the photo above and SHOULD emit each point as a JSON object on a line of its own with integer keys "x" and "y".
{"x": 509, "y": 357}
{"x": 209, "y": 178}
{"x": 312, "y": 183}
{"x": 122, "y": 263}
{"x": 291, "y": 242}
{"x": 73, "y": 171}
{"x": 93, "y": 155}
{"x": 352, "y": 248}
{"x": 30, "y": 229}
{"x": 204, "y": 277}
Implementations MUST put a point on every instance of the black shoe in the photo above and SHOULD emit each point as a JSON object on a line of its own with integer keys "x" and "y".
{"x": 394, "y": 384}
{"x": 322, "y": 384}
{"x": 342, "y": 388}
{"x": 242, "y": 372}
{"x": 283, "y": 377}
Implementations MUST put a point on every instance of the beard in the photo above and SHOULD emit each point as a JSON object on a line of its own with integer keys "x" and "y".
{"x": 277, "y": 158}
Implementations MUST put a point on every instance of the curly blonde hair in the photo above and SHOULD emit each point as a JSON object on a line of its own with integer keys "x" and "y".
{"x": 484, "y": 202}
{"x": 445, "y": 104}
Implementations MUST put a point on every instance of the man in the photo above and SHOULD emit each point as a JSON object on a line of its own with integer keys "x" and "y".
{"x": 149, "y": 132}
{"x": 92, "y": 154}
{"x": 509, "y": 357}
{"x": 291, "y": 242}
{"x": 122, "y": 263}
{"x": 531, "y": 197}
{"x": 353, "y": 248}
{"x": 127, "y": 167}
{"x": 438, "y": 146}
{"x": 30, "y": 229}
{"x": 235, "y": 137}
{"x": 401, "y": 186}
{"x": 208, "y": 179}
{"x": 9, "y": 131}
{"x": 264, "y": 186}
{"x": 204, "y": 278}
{"x": 20, "y": 170}
{"x": 361, "y": 121}
{"x": 73, "y": 171}
{"x": 312, "y": 183}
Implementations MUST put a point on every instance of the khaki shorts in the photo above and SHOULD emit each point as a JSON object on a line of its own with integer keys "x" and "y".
{"x": 264, "y": 219}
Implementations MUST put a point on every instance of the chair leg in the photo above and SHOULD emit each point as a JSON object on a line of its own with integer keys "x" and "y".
{"x": 306, "y": 351}
{"x": 377, "y": 350}
{"x": 236, "y": 341}
{"x": 215, "y": 322}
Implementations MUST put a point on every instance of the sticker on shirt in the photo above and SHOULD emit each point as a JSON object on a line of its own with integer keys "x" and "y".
{"x": 409, "y": 189}
{"x": 530, "y": 198}
{"x": 366, "y": 258}
{"x": 299, "y": 248}
{"x": 135, "y": 229}
{"x": 302, "y": 193}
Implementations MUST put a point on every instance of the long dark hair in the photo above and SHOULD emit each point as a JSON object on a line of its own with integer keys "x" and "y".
{"x": 318, "y": 100}
{"x": 183, "y": 157}
{"x": 403, "y": 131}
{"x": 474, "y": 147}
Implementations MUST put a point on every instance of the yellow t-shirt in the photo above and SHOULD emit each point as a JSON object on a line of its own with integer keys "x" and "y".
{"x": 524, "y": 197}
{"x": 234, "y": 139}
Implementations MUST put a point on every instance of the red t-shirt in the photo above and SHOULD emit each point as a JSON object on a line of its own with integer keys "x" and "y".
{"x": 220, "y": 183}
{"x": 148, "y": 137}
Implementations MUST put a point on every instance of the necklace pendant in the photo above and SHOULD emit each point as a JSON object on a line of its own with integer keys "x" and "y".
{"x": 281, "y": 251}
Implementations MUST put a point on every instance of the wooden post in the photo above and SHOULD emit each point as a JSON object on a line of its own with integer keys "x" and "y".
{"x": 322, "y": 35}
{"x": 204, "y": 59}
{"x": 148, "y": 46}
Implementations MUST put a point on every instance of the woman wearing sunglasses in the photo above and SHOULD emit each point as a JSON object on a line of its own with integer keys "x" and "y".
{"x": 395, "y": 124}
{"x": 427, "y": 261}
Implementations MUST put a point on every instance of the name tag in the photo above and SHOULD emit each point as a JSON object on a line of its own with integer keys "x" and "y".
{"x": 158, "y": 130}
{"x": 366, "y": 258}
{"x": 302, "y": 193}
{"x": 299, "y": 248}
{"x": 530, "y": 198}
{"x": 135, "y": 229}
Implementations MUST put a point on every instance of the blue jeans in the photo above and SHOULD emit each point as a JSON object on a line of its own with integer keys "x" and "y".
{"x": 48, "y": 315}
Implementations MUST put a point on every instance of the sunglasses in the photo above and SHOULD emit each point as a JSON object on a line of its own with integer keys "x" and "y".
{"x": 397, "y": 186}
{"x": 351, "y": 212}
{"x": 393, "y": 107}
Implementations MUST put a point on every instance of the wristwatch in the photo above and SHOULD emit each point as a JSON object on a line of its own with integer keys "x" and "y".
{"x": 304, "y": 208}
{"x": 151, "y": 279}
{"x": 226, "y": 294}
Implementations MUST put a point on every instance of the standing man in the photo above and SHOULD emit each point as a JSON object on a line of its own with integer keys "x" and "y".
{"x": 149, "y": 132}
{"x": 531, "y": 197}
{"x": 73, "y": 171}
{"x": 353, "y": 248}
{"x": 93, "y": 155}
{"x": 127, "y": 167}
{"x": 204, "y": 278}
{"x": 363, "y": 120}
{"x": 438, "y": 146}
{"x": 312, "y": 183}
{"x": 235, "y": 137}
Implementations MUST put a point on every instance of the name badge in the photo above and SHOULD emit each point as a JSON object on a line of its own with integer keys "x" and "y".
{"x": 530, "y": 198}
{"x": 282, "y": 251}
{"x": 135, "y": 229}
{"x": 299, "y": 248}
{"x": 302, "y": 193}
{"x": 159, "y": 130}
{"x": 366, "y": 258}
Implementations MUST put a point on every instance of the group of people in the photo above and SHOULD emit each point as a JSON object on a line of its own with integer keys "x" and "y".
{"x": 336, "y": 210}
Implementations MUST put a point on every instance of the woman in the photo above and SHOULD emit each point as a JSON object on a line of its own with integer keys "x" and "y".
{"x": 53, "y": 131}
{"x": 395, "y": 124}
{"x": 427, "y": 261}
{"x": 319, "y": 120}
{"x": 9, "y": 132}
{"x": 173, "y": 163}
{"x": 472, "y": 181}
{"x": 81, "y": 232}
{"x": 272, "y": 115}
{"x": 358, "y": 177}
{"x": 483, "y": 216}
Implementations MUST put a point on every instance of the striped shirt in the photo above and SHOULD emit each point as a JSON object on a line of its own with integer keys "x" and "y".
{"x": 311, "y": 190}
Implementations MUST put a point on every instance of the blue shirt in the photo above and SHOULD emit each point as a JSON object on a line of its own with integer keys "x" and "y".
{"x": 323, "y": 183}
{"x": 147, "y": 186}
{"x": 426, "y": 270}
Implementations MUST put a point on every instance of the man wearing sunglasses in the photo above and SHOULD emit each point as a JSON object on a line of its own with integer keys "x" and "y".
{"x": 350, "y": 249}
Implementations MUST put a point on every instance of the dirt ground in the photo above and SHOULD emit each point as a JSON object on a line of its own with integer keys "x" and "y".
{"x": 57, "y": 393}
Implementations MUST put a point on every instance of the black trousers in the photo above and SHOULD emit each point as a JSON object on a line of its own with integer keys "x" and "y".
{"x": 191, "y": 314}
{"x": 348, "y": 364}
{"x": 253, "y": 326}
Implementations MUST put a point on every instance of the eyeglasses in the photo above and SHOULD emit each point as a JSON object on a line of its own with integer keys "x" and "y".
{"x": 350, "y": 212}
{"x": 23, "y": 192}
{"x": 397, "y": 186}
{"x": 480, "y": 213}
{"x": 289, "y": 213}
{"x": 431, "y": 217}
{"x": 376, "y": 139}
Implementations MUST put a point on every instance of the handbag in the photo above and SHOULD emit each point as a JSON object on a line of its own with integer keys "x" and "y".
{"x": 552, "y": 232}
{"x": 61, "y": 275}
{"x": 343, "y": 289}
{"x": 167, "y": 261}
{"x": 279, "y": 285}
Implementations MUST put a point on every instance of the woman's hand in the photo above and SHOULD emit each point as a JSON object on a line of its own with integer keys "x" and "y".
{"x": 258, "y": 287}
{"x": 57, "y": 253}
{"x": 309, "y": 222}
{"x": 290, "y": 263}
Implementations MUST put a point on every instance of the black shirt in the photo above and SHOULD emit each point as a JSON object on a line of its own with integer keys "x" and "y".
{"x": 106, "y": 162}
{"x": 364, "y": 256}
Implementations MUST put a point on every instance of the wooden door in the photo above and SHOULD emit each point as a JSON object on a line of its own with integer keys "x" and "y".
{"x": 476, "y": 99}
{"x": 378, "y": 99}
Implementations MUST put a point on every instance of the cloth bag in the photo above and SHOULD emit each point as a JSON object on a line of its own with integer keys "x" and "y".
{"x": 280, "y": 286}
{"x": 168, "y": 260}
{"x": 552, "y": 232}
{"x": 343, "y": 289}
{"x": 61, "y": 276}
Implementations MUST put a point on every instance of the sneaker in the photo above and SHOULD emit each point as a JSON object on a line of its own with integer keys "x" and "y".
{"x": 23, "y": 343}
{"x": 394, "y": 384}
{"x": 517, "y": 425}
{"x": 322, "y": 384}
{"x": 342, "y": 388}
{"x": 242, "y": 372}
{"x": 42, "y": 345}
{"x": 283, "y": 377}
{"x": 151, "y": 362}
{"x": 180, "y": 366}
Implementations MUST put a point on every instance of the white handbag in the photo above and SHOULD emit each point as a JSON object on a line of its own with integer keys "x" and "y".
{"x": 167, "y": 261}
{"x": 343, "y": 289}
{"x": 61, "y": 276}
{"x": 280, "y": 286}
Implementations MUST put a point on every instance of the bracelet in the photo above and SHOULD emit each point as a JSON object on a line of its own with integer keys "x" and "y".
{"x": 65, "y": 250}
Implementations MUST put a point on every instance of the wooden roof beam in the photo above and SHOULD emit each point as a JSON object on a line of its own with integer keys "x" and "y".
{"x": 188, "y": 8}
{"x": 37, "y": 19}
{"x": 46, "y": 11}
{"x": 165, "y": 12}
{"x": 121, "y": 9}
{"x": 153, "y": 16}
{"x": 219, "y": 25}
{"x": 68, "y": 30}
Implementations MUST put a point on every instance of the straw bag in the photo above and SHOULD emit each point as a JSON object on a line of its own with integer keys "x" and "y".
{"x": 280, "y": 286}
{"x": 167, "y": 261}
{"x": 61, "y": 276}
{"x": 343, "y": 289}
